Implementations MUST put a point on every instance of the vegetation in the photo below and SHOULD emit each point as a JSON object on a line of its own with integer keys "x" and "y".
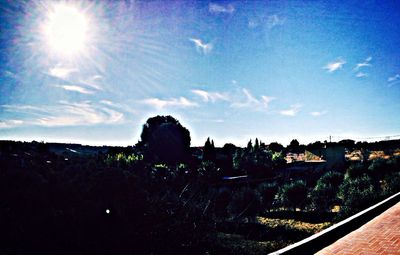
{"x": 156, "y": 198}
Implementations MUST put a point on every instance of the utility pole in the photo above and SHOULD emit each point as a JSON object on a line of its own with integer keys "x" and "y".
{"x": 330, "y": 139}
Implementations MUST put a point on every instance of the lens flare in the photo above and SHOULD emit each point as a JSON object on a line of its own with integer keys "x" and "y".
{"x": 66, "y": 30}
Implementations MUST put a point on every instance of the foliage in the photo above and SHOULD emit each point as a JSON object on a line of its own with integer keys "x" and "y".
{"x": 324, "y": 194}
{"x": 381, "y": 167}
{"x": 356, "y": 170}
{"x": 122, "y": 160}
{"x": 245, "y": 203}
{"x": 356, "y": 194}
{"x": 253, "y": 161}
{"x": 165, "y": 140}
{"x": 391, "y": 184}
{"x": 276, "y": 147}
{"x": 267, "y": 192}
{"x": 293, "y": 194}
{"x": 209, "y": 150}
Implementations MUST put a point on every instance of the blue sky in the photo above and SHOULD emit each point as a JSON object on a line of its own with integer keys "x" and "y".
{"x": 231, "y": 70}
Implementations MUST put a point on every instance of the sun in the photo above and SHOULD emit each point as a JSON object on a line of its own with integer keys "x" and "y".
{"x": 66, "y": 30}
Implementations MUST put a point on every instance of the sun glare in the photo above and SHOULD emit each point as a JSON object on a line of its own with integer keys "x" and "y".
{"x": 66, "y": 30}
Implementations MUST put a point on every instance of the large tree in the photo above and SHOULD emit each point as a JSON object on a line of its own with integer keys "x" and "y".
{"x": 164, "y": 140}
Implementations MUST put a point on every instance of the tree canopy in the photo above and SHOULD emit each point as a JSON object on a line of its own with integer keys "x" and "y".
{"x": 164, "y": 140}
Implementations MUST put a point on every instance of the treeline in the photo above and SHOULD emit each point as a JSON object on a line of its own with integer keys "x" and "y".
{"x": 157, "y": 198}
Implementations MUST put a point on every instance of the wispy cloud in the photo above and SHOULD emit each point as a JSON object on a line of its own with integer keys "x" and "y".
{"x": 10, "y": 123}
{"x": 274, "y": 20}
{"x": 205, "y": 48}
{"x": 61, "y": 72}
{"x": 173, "y": 102}
{"x": 10, "y": 74}
{"x": 74, "y": 88}
{"x": 335, "y": 65}
{"x": 219, "y": 8}
{"x": 317, "y": 114}
{"x": 292, "y": 111}
{"x": 119, "y": 106}
{"x": 211, "y": 96}
{"x": 252, "y": 23}
{"x": 93, "y": 81}
{"x": 365, "y": 63}
{"x": 361, "y": 75}
{"x": 393, "y": 78}
{"x": 249, "y": 101}
{"x": 64, "y": 114}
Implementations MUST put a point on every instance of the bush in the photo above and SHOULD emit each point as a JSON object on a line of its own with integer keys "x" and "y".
{"x": 391, "y": 184}
{"x": 293, "y": 194}
{"x": 356, "y": 170}
{"x": 267, "y": 192}
{"x": 356, "y": 194}
{"x": 324, "y": 194}
{"x": 245, "y": 203}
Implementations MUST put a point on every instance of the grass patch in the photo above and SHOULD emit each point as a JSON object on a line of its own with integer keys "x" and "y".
{"x": 222, "y": 243}
{"x": 311, "y": 228}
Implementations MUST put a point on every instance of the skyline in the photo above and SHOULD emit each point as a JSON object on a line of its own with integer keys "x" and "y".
{"x": 231, "y": 70}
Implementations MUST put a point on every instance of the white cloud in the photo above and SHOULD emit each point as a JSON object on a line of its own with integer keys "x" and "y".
{"x": 251, "y": 102}
{"x": 252, "y": 23}
{"x": 202, "y": 47}
{"x": 363, "y": 64}
{"x": 218, "y": 8}
{"x": 292, "y": 111}
{"x": 121, "y": 107}
{"x": 61, "y": 72}
{"x": 211, "y": 96}
{"x": 336, "y": 65}
{"x": 361, "y": 75}
{"x": 394, "y": 78}
{"x": 174, "y": 102}
{"x": 317, "y": 114}
{"x": 93, "y": 82}
{"x": 274, "y": 20}
{"x": 10, "y": 123}
{"x": 66, "y": 114}
{"x": 74, "y": 88}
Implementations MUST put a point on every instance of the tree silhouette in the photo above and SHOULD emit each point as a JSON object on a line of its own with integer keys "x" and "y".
{"x": 164, "y": 140}
{"x": 209, "y": 150}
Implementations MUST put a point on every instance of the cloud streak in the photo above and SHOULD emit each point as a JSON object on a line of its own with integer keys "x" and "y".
{"x": 61, "y": 72}
{"x": 335, "y": 65}
{"x": 75, "y": 88}
{"x": 366, "y": 63}
{"x": 211, "y": 96}
{"x": 274, "y": 20}
{"x": 180, "y": 102}
{"x": 218, "y": 8}
{"x": 205, "y": 48}
{"x": 394, "y": 78}
{"x": 292, "y": 111}
{"x": 63, "y": 114}
{"x": 249, "y": 101}
{"x": 317, "y": 114}
{"x": 361, "y": 75}
{"x": 10, "y": 123}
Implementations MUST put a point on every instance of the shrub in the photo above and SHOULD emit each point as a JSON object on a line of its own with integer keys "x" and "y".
{"x": 245, "y": 203}
{"x": 356, "y": 170}
{"x": 391, "y": 184}
{"x": 356, "y": 194}
{"x": 267, "y": 192}
{"x": 293, "y": 194}
{"x": 323, "y": 196}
